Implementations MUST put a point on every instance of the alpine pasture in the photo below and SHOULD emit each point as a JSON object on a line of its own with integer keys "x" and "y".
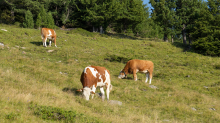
{"x": 38, "y": 84}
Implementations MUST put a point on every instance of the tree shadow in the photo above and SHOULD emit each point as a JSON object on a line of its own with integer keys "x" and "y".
{"x": 37, "y": 43}
{"x": 115, "y": 58}
{"x": 72, "y": 91}
{"x": 122, "y": 36}
{"x": 184, "y": 47}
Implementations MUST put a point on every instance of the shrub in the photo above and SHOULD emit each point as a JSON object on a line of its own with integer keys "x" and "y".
{"x": 28, "y": 22}
{"x": 52, "y": 113}
{"x": 207, "y": 46}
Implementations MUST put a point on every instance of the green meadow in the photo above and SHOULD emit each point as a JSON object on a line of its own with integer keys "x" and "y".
{"x": 38, "y": 84}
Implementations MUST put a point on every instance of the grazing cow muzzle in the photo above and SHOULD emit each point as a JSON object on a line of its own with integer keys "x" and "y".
{"x": 121, "y": 75}
{"x": 86, "y": 93}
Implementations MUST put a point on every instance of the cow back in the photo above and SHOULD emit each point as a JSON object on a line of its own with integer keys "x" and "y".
{"x": 92, "y": 75}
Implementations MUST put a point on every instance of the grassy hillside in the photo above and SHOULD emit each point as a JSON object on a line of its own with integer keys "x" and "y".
{"x": 37, "y": 85}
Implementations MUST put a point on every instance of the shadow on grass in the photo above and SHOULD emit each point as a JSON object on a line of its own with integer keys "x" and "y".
{"x": 185, "y": 47}
{"x": 71, "y": 90}
{"x": 122, "y": 36}
{"x": 115, "y": 58}
{"x": 37, "y": 43}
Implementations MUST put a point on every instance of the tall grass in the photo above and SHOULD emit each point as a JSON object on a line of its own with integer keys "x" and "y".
{"x": 187, "y": 83}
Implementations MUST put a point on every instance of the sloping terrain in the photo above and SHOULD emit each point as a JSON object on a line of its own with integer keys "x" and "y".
{"x": 39, "y": 83}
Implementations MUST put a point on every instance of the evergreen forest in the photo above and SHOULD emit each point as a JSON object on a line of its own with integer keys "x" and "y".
{"x": 193, "y": 22}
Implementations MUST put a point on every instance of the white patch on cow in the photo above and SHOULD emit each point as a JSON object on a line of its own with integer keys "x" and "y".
{"x": 145, "y": 71}
{"x": 93, "y": 70}
{"x": 100, "y": 77}
{"x": 49, "y": 36}
{"x": 107, "y": 76}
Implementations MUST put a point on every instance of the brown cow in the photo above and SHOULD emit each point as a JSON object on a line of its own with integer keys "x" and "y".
{"x": 136, "y": 65}
{"x": 93, "y": 76}
{"x": 50, "y": 34}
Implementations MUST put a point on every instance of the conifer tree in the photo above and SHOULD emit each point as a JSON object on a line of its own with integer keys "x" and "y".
{"x": 38, "y": 21}
{"x": 43, "y": 15}
{"x": 206, "y": 30}
{"x": 28, "y": 22}
{"x": 50, "y": 20}
{"x": 187, "y": 11}
{"x": 164, "y": 15}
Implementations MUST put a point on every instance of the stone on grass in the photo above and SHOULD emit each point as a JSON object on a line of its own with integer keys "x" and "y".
{"x": 49, "y": 51}
{"x": 114, "y": 102}
{"x": 152, "y": 86}
{"x": 1, "y": 44}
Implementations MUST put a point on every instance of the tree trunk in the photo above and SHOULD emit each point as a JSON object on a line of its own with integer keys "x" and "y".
{"x": 12, "y": 16}
{"x": 172, "y": 38}
{"x": 165, "y": 38}
{"x": 184, "y": 34}
{"x": 101, "y": 30}
{"x": 93, "y": 29}
{"x": 190, "y": 41}
{"x": 57, "y": 23}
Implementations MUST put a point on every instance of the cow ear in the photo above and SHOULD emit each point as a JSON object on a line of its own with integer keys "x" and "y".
{"x": 79, "y": 90}
{"x": 92, "y": 92}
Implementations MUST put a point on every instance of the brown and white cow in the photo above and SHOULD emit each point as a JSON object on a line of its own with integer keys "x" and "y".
{"x": 50, "y": 34}
{"x": 93, "y": 76}
{"x": 136, "y": 65}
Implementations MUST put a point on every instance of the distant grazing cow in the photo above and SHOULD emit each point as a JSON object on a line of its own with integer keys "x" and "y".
{"x": 93, "y": 76}
{"x": 134, "y": 66}
{"x": 50, "y": 34}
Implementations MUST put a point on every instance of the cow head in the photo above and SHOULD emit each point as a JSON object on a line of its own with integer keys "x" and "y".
{"x": 86, "y": 92}
{"x": 122, "y": 75}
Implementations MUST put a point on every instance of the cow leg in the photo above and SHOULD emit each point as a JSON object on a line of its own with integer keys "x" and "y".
{"x": 55, "y": 42}
{"x": 108, "y": 91}
{"x": 147, "y": 75}
{"x": 93, "y": 89}
{"x": 103, "y": 93}
{"x": 150, "y": 74}
{"x": 50, "y": 43}
{"x": 135, "y": 75}
{"x": 45, "y": 42}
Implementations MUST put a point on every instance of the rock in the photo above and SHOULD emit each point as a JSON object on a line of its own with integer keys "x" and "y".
{"x": 4, "y": 30}
{"x": 152, "y": 86}
{"x": 212, "y": 109}
{"x": 49, "y": 51}
{"x": 206, "y": 87}
{"x": 2, "y": 45}
{"x": 166, "y": 120}
{"x": 193, "y": 109}
{"x": 114, "y": 102}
